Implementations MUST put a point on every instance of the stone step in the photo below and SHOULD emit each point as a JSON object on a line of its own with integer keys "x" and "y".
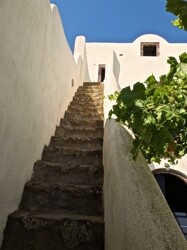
{"x": 81, "y": 199}
{"x": 91, "y": 89}
{"x": 83, "y": 94}
{"x": 99, "y": 87}
{"x": 81, "y": 123}
{"x": 88, "y": 105}
{"x": 78, "y": 132}
{"x": 72, "y": 156}
{"x": 82, "y": 108}
{"x": 87, "y": 99}
{"x": 92, "y": 84}
{"x": 77, "y": 143}
{"x": 68, "y": 174}
{"x": 53, "y": 231}
{"x": 88, "y": 102}
{"x": 83, "y": 115}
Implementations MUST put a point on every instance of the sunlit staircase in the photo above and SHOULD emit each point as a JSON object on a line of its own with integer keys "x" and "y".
{"x": 62, "y": 206}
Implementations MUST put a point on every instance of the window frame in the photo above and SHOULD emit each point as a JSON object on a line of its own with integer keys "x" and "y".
{"x": 143, "y": 44}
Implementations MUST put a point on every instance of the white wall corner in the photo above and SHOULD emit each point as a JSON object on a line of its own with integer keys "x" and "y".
{"x": 79, "y": 49}
{"x": 80, "y": 54}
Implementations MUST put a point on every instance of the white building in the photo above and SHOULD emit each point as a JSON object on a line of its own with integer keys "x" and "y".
{"x": 128, "y": 63}
{"x": 39, "y": 77}
{"x": 122, "y": 64}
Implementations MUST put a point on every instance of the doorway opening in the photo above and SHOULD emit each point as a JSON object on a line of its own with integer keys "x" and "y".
{"x": 174, "y": 190}
{"x": 101, "y": 73}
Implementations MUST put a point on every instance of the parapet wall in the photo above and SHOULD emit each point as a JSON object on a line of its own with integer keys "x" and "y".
{"x": 38, "y": 78}
{"x": 136, "y": 213}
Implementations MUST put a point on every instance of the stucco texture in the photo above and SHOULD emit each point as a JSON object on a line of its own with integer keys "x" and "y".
{"x": 136, "y": 213}
{"x": 38, "y": 78}
{"x": 128, "y": 65}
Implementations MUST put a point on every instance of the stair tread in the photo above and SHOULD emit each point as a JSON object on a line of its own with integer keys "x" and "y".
{"x": 68, "y": 150}
{"x": 66, "y": 165}
{"x": 79, "y": 143}
{"x": 68, "y": 173}
{"x": 80, "y": 128}
{"x": 67, "y": 138}
{"x": 73, "y": 187}
{"x": 82, "y": 199}
{"x": 56, "y": 215}
{"x": 86, "y": 112}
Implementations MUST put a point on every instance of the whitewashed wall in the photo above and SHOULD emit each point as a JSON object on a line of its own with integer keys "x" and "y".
{"x": 136, "y": 213}
{"x": 133, "y": 67}
{"x": 36, "y": 72}
{"x": 125, "y": 66}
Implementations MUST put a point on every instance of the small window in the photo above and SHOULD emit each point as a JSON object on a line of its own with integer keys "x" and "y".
{"x": 101, "y": 73}
{"x": 149, "y": 49}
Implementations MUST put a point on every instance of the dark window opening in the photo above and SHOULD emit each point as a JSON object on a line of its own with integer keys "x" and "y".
{"x": 101, "y": 73}
{"x": 149, "y": 49}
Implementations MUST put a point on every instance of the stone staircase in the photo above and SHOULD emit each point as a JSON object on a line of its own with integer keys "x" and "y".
{"x": 62, "y": 206}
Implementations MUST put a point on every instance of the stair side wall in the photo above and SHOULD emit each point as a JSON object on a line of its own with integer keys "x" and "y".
{"x": 136, "y": 213}
{"x": 38, "y": 78}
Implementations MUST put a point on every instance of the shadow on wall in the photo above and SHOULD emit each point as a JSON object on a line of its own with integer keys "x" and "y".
{"x": 116, "y": 67}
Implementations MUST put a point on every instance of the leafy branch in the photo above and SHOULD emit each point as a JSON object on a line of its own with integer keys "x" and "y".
{"x": 156, "y": 112}
{"x": 179, "y": 9}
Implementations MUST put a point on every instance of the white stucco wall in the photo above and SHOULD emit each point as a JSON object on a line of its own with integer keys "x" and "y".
{"x": 136, "y": 213}
{"x": 125, "y": 66}
{"x": 133, "y": 67}
{"x": 36, "y": 72}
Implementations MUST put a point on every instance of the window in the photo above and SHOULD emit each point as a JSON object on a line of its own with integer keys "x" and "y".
{"x": 101, "y": 73}
{"x": 149, "y": 49}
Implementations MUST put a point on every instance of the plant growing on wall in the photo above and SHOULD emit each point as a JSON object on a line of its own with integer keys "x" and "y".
{"x": 178, "y": 8}
{"x": 156, "y": 112}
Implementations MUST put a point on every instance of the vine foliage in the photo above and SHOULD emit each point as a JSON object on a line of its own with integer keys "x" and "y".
{"x": 156, "y": 112}
{"x": 178, "y": 8}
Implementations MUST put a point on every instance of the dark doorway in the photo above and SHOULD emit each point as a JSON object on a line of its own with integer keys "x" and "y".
{"x": 101, "y": 73}
{"x": 175, "y": 192}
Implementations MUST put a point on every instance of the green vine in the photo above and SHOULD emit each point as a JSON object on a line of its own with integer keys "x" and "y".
{"x": 178, "y": 8}
{"x": 156, "y": 112}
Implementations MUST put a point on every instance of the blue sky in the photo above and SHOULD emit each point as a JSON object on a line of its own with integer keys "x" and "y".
{"x": 117, "y": 20}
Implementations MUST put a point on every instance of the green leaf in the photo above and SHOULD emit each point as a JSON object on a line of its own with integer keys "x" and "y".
{"x": 151, "y": 80}
{"x": 172, "y": 61}
{"x": 129, "y": 96}
{"x": 183, "y": 57}
{"x": 149, "y": 119}
{"x": 139, "y": 103}
{"x": 178, "y": 23}
{"x": 178, "y": 8}
{"x": 168, "y": 114}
